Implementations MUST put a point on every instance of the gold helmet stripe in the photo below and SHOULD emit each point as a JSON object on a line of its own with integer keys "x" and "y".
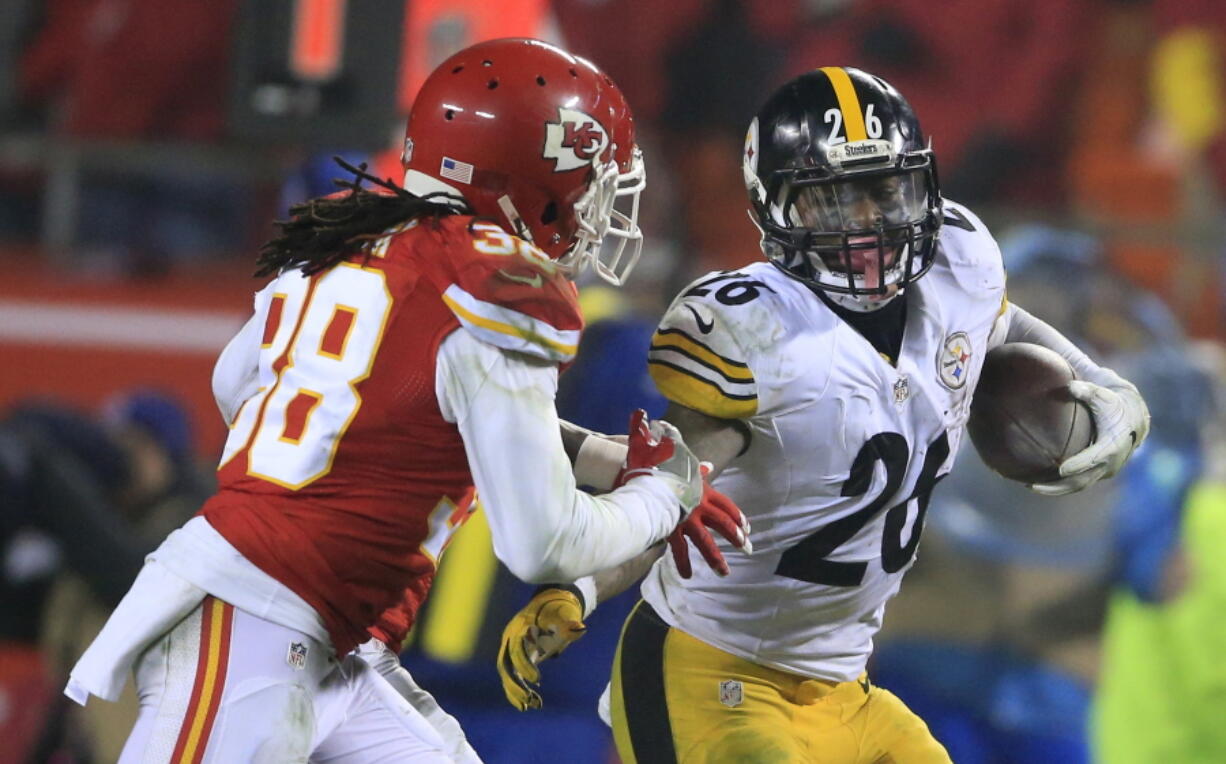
{"x": 849, "y": 103}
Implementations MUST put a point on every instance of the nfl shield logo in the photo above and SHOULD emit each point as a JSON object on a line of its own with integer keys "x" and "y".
{"x": 901, "y": 391}
{"x": 296, "y": 656}
{"x": 731, "y": 693}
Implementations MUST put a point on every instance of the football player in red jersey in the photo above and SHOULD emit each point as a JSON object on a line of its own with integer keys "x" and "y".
{"x": 406, "y": 350}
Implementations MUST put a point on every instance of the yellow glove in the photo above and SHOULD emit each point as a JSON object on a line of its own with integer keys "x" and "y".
{"x": 542, "y": 629}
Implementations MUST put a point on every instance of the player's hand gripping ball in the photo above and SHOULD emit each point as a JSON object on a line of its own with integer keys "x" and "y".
{"x": 1025, "y": 422}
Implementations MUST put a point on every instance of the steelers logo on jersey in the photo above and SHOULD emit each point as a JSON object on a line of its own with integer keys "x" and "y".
{"x": 953, "y": 362}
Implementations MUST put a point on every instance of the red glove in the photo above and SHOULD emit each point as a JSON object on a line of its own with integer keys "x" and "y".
{"x": 716, "y": 512}
{"x": 656, "y": 448}
{"x": 646, "y": 451}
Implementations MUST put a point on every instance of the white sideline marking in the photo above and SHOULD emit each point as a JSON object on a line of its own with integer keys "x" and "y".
{"x": 106, "y": 327}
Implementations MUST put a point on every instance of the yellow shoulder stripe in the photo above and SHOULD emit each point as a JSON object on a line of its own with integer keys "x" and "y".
{"x": 733, "y": 371}
{"x": 700, "y": 395}
{"x": 524, "y": 332}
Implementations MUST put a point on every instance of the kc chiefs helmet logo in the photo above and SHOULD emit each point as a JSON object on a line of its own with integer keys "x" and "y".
{"x": 574, "y": 140}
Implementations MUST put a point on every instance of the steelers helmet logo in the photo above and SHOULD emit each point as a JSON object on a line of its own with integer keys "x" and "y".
{"x": 749, "y": 163}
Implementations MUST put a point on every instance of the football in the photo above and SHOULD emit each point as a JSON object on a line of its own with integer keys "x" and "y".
{"x": 1024, "y": 422}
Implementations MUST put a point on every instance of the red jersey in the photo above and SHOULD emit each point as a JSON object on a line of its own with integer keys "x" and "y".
{"x": 341, "y": 479}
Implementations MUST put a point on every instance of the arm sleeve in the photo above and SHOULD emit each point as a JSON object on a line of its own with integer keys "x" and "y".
{"x": 1023, "y": 327}
{"x": 544, "y": 528}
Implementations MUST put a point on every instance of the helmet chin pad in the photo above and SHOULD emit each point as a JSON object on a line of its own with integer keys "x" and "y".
{"x": 862, "y": 292}
{"x": 862, "y": 303}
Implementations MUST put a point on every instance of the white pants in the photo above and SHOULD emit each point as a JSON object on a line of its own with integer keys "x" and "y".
{"x": 224, "y": 686}
{"x": 387, "y": 665}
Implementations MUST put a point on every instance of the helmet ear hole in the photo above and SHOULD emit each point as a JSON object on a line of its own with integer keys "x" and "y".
{"x": 550, "y": 213}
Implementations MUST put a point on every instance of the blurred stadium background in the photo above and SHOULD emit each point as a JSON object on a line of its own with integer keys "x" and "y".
{"x": 145, "y": 146}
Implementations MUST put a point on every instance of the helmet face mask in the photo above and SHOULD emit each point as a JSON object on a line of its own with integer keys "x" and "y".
{"x": 538, "y": 140}
{"x": 854, "y": 234}
{"x": 609, "y": 239}
{"x": 854, "y": 214}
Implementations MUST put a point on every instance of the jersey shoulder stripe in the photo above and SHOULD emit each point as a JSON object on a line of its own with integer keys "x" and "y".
{"x": 696, "y": 360}
{"x": 668, "y": 343}
{"x": 510, "y": 329}
{"x": 687, "y": 386}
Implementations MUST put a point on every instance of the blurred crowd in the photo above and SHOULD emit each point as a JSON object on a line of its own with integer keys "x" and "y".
{"x": 1091, "y": 137}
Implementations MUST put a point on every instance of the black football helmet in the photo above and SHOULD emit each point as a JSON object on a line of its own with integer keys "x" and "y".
{"x": 843, "y": 185}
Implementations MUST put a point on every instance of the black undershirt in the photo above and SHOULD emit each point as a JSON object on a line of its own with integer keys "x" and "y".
{"x": 883, "y": 328}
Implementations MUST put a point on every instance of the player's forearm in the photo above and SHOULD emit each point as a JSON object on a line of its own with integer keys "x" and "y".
{"x": 1024, "y": 327}
{"x": 612, "y": 582}
{"x": 597, "y": 458}
{"x": 543, "y": 527}
{"x": 573, "y": 437}
{"x": 607, "y": 584}
{"x": 595, "y": 533}
{"x": 715, "y": 441}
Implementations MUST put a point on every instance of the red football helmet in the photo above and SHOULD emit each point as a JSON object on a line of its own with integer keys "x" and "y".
{"x": 537, "y": 139}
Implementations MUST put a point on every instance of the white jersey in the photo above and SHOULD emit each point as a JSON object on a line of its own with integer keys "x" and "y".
{"x": 845, "y": 450}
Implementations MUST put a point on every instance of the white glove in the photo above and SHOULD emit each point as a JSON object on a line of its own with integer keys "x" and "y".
{"x": 1121, "y": 421}
{"x": 683, "y": 466}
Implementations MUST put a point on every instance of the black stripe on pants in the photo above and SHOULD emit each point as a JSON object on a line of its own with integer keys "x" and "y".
{"x": 642, "y": 680}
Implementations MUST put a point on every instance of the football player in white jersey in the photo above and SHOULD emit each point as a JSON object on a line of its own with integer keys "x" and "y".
{"x": 829, "y": 387}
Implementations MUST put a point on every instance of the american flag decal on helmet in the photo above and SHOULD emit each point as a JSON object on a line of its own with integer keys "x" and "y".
{"x": 454, "y": 169}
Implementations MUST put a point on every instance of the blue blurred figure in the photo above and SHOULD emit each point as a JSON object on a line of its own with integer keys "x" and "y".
{"x": 313, "y": 178}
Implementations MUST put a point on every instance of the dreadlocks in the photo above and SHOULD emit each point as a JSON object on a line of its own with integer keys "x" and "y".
{"x": 324, "y": 231}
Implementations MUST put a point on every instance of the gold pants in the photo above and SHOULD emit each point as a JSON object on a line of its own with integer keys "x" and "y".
{"x": 677, "y": 699}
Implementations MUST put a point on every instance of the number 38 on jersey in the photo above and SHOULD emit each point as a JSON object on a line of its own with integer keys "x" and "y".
{"x": 320, "y": 340}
